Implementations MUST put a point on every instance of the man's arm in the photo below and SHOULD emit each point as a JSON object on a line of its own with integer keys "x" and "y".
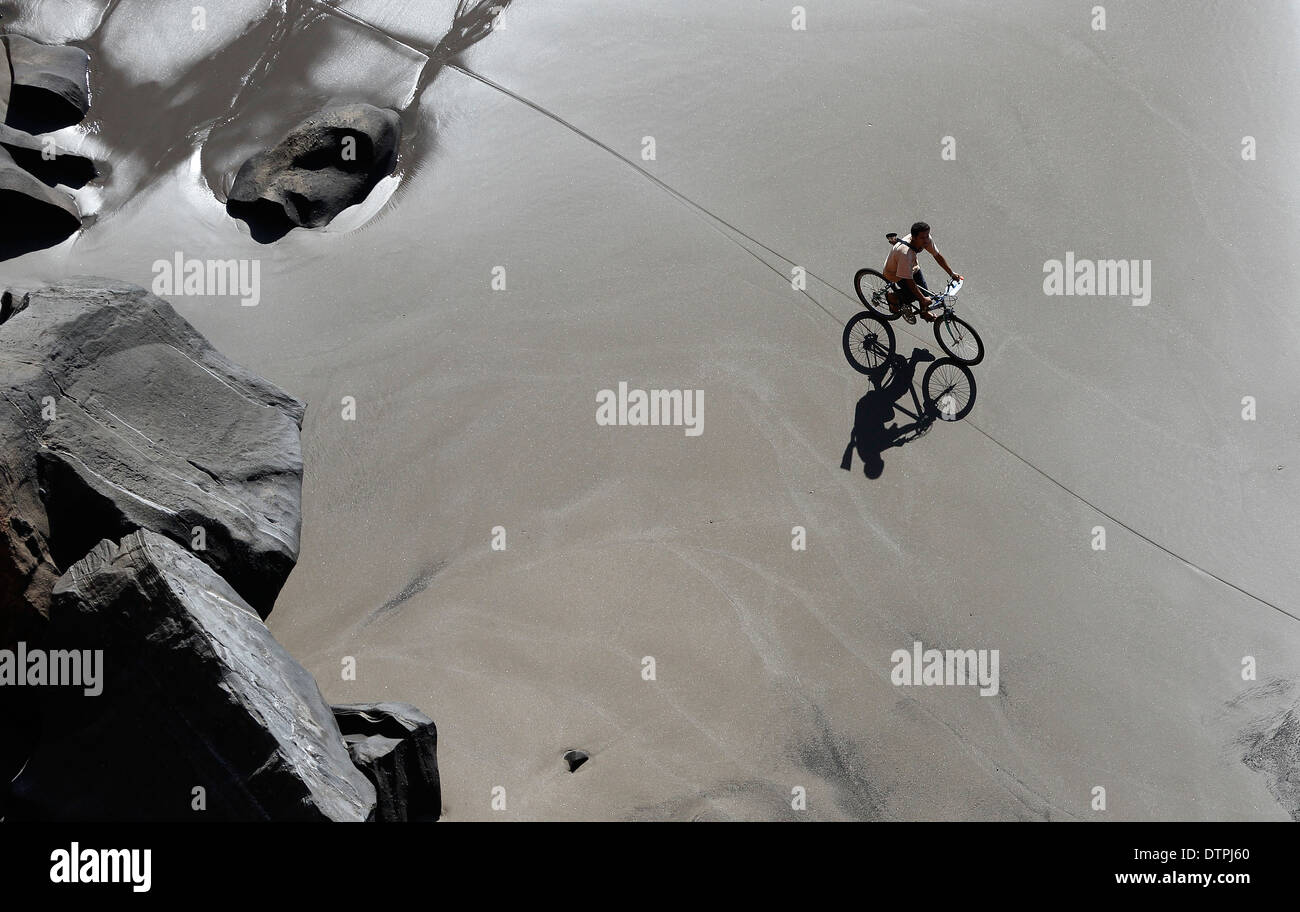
{"x": 943, "y": 264}
{"x": 938, "y": 258}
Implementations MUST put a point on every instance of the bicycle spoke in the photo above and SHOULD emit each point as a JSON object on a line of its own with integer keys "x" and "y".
{"x": 869, "y": 344}
{"x": 871, "y": 347}
{"x": 872, "y": 288}
{"x": 949, "y": 391}
{"x": 954, "y": 379}
{"x": 961, "y": 343}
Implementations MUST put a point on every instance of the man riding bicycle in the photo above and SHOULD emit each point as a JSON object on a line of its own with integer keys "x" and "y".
{"x": 902, "y": 270}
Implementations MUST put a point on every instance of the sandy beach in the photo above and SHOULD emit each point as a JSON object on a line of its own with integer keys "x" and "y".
{"x": 475, "y": 404}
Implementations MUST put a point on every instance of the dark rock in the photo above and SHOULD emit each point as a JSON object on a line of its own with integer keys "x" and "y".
{"x": 12, "y": 300}
{"x": 396, "y": 746}
{"x": 307, "y": 180}
{"x": 28, "y": 152}
{"x": 51, "y": 85}
{"x": 119, "y": 416}
{"x": 195, "y": 693}
{"x": 575, "y": 759}
{"x": 33, "y": 215}
{"x": 122, "y": 422}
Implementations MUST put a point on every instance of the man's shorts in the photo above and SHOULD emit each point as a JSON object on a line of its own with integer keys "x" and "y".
{"x": 904, "y": 292}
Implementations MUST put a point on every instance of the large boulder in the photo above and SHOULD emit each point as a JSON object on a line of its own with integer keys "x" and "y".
{"x": 327, "y": 163}
{"x": 34, "y": 90}
{"x": 51, "y": 85}
{"x": 32, "y": 215}
{"x": 32, "y": 154}
{"x": 396, "y": 746}
{"x": 119, "y": 416}
{"x": 196, "y": 695}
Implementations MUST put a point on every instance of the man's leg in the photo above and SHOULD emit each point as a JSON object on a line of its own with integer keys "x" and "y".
{"x": 919, "y": 279}
{"x": 892, "y": 298}
{"x": 905, "y": 300}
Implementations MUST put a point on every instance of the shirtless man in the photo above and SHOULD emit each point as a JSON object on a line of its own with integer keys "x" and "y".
{"x": 901, "y": 268}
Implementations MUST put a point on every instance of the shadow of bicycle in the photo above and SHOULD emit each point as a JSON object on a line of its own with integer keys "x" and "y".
{"x": 873, "y": 432}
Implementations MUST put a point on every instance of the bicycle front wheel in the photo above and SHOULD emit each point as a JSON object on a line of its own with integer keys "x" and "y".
{"x": 958, "y": 339}
{"x": 868, "y": 343}
{"x": 949, "y": 389}
{"x": 871, "y": 287}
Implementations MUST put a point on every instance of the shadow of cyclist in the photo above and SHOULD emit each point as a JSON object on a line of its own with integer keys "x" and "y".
{"x": 872, "y": 434}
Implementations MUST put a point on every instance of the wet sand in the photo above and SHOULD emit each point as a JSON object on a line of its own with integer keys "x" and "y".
{"x": 475, "y": 407}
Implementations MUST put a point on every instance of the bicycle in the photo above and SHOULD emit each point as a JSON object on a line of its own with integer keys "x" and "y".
{"x": 948, "y": 386}
{"x": 955, "y": 336}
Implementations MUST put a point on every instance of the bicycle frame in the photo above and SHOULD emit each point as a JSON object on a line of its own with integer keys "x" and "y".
{"x": 943, "y": 299}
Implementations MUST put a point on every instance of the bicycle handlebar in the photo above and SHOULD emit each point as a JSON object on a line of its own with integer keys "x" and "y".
{"x": 944, "y": 297}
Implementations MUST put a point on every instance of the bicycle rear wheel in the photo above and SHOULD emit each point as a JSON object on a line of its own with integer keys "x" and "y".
{"x": 949, "y": 389}
{"x": 868, "y": 343}
{"x": 958, "y": 339}
{"x": 871, "y": 287}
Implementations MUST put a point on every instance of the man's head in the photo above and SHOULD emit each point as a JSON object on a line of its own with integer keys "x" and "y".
{"x": 920, "y": 233}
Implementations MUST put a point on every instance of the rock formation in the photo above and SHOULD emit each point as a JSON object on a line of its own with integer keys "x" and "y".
{"x": 51, "y": 85}
{"x": 42, "y": 88}
{"x": 151, "y": 512}
{"x": 104, "y": 381}
{"x": 32, "y": 214}
{"x": 575, "y": 758}
{"x": 196, "y": 695}
{"x": 327, "y": 163}
{"x": 396, "y": 746}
